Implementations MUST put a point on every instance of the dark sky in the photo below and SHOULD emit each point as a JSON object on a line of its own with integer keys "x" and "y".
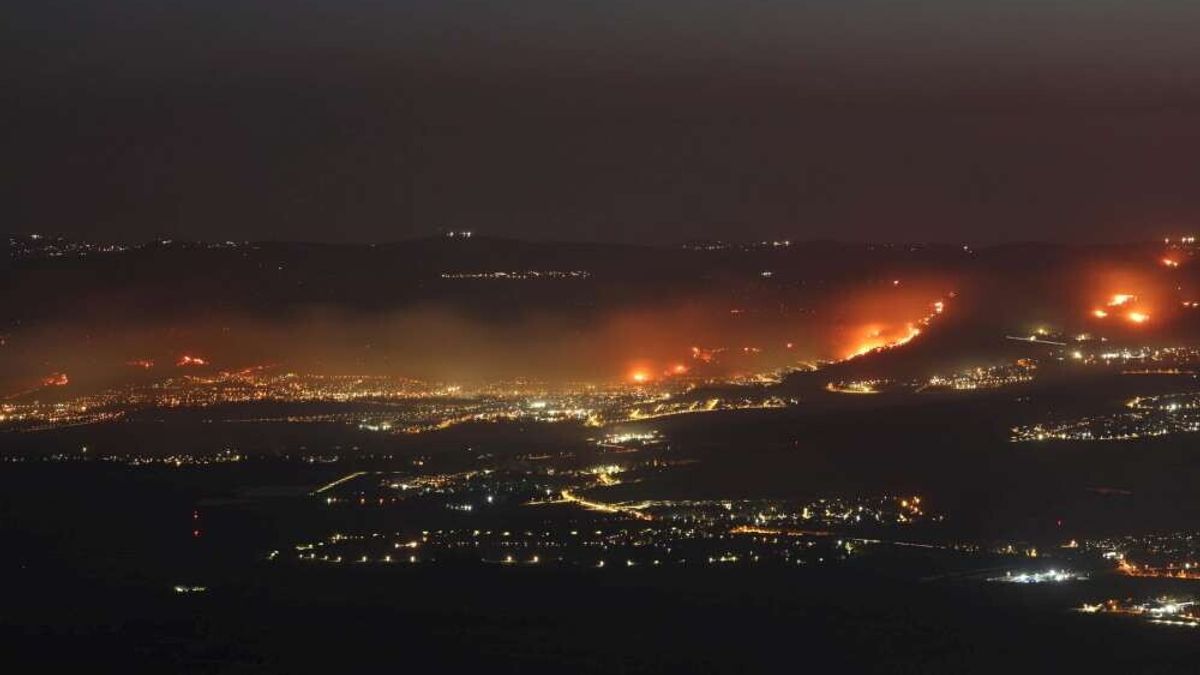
{"x": 629, "y": 120}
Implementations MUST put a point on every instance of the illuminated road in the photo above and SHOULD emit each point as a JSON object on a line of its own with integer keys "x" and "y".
{"x": 339, "y": 481}
{"x": 569, "y": 496}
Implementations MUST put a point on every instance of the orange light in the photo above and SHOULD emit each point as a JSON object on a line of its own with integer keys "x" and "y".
{"x": 875, "y": 337}
{"x": 1119, "y": 299}
{"x": 1169, "y": 262}
{"x": 1099, "y": 313}
{"x": 679, "y": 369}
{"x": 145, "y": 364}
{"x": 56, "y": 380}
{"x": 639, "y": 376}
{"x": 1138, "y": 317}
{"x": 876, "y": 340}
{"x": 186, "y": 360}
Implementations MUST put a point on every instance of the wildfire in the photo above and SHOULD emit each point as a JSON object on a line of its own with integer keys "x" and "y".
{"x": 876, "y": 337}
{"x": 1134, "y": 308}
{"x": 639, "y": 376}
{"x": 56, "y": 380}
{"x": 186, "y": 360}
{"x": 1137, "y": 296}
{"x": 145, "y": 364}
{"x": 1133, "y": 316}
{"x": 877, "y": 340}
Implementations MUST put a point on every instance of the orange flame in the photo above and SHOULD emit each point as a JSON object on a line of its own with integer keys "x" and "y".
{"x": 56, "y": 380}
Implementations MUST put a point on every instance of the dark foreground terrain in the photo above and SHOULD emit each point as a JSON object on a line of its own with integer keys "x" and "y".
{"x": 492, "y": 620}
{"x": 89, "y": 569}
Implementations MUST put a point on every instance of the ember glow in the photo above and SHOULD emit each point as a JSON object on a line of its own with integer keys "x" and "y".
{"x": 56, "y": 380}
{"x": 879, "y": 336}
{"x": 876, "y": 337}
{"x": 187, "y": 360}
{"x": 1136, "y": 311}
{"x": 1131, "y": 295}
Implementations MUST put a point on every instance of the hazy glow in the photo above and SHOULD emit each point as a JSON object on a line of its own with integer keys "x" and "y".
{"x": 1131, "y": 295}
{"x": 877, "y": 337}
{"x": 692, "y": 337}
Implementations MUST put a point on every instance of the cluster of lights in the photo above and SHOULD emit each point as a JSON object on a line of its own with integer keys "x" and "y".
{"x": 1145, "y": 416}
{"x": 1171, "y": 570}
{"x": 624, "y": 438}
{"x": 1165, "y": 610}
{"x": 519, "y": 275}
{"x": 984, "y": 377}
{"x": 871, "y": 386}
{"x": 1120, "y": 427}
{"x": 672, "y": 408}
{"x": 651, "y": 533}
{"x": 979, "y": 377}
{"x": 1049, "y": 576}
{"x": 1165, "y": 360}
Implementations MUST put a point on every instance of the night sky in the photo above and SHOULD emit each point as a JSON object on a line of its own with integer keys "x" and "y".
{"x": 626, "y": 120}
